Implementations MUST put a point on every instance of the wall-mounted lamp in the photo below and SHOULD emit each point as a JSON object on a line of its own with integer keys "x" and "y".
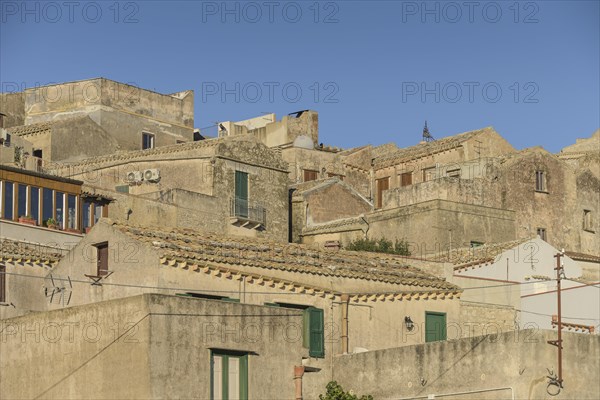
{"x": 409, "y": 323}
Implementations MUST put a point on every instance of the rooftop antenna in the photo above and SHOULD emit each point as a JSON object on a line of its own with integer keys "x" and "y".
{"x": 62, "y": 292}
{"x": 426, "y": 135}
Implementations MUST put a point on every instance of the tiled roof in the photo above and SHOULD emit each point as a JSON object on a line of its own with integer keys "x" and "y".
{"x": 583, "y": 256}
{"x": 132, "y": 155}
{"x": 23, "y": 252}
{"x": 470, "y": 256}
{"x": 333, "y": 226}
{"x": 198, "y": 249}
{"x": 42, "y": 127}
{"x": 306, "y": 186}
{"x": 30, "y": 129}
{"x": 427, "y": 148}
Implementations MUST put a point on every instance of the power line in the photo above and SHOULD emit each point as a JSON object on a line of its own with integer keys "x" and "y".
{"x": 237, "y": 291}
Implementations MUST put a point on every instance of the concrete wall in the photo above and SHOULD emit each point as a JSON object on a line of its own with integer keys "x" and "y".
{"x": 120, "y": 111}
{"x": 503, "y": 365}
{"x": 148, "y": 346}
{"x": 450, "y": 225}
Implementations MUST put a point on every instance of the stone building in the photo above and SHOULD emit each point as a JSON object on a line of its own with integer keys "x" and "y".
{"x": 120, "y": 117}
{"x": 229, "y": 185}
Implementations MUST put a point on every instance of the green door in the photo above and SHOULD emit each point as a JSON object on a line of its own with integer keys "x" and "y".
{"x": 241, "y": 194}
{"x": 435, "y": 326}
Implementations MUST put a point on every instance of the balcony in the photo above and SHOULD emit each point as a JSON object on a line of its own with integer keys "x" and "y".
{"x": 246, "y": 214}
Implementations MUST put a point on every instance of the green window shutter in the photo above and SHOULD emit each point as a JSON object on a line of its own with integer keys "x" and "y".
{"x": 244, "y": 377}
{"x": 241, "y": 185}
{"x": 316, "y": 332}
{"x": 435, "y": 326}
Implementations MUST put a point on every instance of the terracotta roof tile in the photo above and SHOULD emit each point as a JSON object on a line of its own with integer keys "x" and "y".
{"x": 17, "y": 251}
{"x": 185, "y": 245}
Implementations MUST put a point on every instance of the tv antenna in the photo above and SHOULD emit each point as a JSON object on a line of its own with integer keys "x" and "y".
{"x": 426, "y": 135}
{"x": 62, "y": 293}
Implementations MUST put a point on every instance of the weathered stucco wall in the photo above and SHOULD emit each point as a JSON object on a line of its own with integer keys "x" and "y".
{"x": 505, "y": 364}
{"x": 148, "y": 346}
{"x": 12, "y": 105}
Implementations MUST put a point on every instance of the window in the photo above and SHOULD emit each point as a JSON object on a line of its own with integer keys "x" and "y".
{"x": 241, "y": 194}
{"x": 588, "y": 222}
{"x": 310, "y": 175}
{"x": 540, "y": 181}
{"x": 208, "y": 296}
{"x": 71, "y": 211}
{"x": 59, "y": 205}
{"x": 47, "y": 205}
{"x": 382, "y": 184}
{"x": 228, "y": 375}
{"x": 35, "y": 204}
{"x": 147, "y": 141}
{"x": 435, "y": 326}
{"x": 330, "y": 175}
{"x": 406, "y": 179}
{"x": 102, "y": 259}
{"x": 22, "y": 200}
{"x": 2, "y": 283}
{"x": 475, "y": 243}
{"x": 313, "y": 327}
{"x": 1, "y": 120}
{"x": 541, "y": 232}
{"x": 7, "y": 200}
{"x": 428, "y": 174}
{"x": 454, "y": 173}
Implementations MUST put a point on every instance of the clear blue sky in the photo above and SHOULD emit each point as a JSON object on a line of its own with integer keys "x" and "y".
{"x": 374, "y": 70}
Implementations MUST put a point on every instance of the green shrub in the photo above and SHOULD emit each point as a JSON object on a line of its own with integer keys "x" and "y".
{"x": 380, "y": 246}
{"x": 336, "y": 392}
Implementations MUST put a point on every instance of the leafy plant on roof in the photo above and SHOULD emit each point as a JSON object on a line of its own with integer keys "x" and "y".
{"x": 336, "y": 392}
{"x": 382, "y": 245}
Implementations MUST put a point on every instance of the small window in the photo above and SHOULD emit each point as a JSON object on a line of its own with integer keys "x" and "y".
{"x": 1, "y": 120}
{"x": 122, "y": 188}
{"x": 102, "y": 259}
{"x": 428, "y": 174}
{"x": 147, "y": 141}
{"x": 228, "y": 375}
{"x": 383, "y": 184}
{"x": 310, "y": 175}
{"x": 2, "y": 283}
{"x": 540, "y": 181}
{"x": 588, "y": 222}
{"x": 541, "y": 232}
{"x": 454, "y": 173}
{"x": 475, "y": 243}
{"x": 208, "y": 296}
{"x": 406, "y": 179}
{"x": 7, "y": 200}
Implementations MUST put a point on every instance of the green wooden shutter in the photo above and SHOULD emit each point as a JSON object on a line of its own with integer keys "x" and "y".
{"x": 244, "y": 377}
{"x": 316, "y": 332}
{"x": 241, "y": 185}
{"x": 435, "y": 326}
{"x": 241, "y": 194}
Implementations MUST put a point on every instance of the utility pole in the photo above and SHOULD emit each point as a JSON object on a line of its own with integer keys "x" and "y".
{"x": 558, "y": 343}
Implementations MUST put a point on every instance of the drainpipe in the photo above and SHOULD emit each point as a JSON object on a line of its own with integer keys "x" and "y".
{"x": 345, "y": 300}
{"x": 298, "y": 373}
{"x": 290, "y": 216}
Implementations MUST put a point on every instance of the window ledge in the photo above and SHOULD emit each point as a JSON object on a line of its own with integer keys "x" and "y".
{"x": 589, "y": 230}
{"x": 542, "y": 191}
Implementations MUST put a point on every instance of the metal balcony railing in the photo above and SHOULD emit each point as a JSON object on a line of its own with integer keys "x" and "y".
{"x": 249, "y": 211}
